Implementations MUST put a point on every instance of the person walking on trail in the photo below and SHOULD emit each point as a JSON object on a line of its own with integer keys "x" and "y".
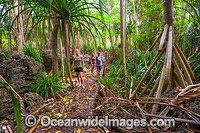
{"x": 92, "y": 62}
{"x": 78, "y": 65}
{"x": 99, "y": 63}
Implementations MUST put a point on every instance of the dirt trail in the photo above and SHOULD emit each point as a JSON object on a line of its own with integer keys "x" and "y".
{"x": 74, "y": 105}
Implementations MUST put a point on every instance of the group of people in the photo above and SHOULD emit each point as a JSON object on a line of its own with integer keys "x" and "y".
{"x": 96, "y": 61}
{"x": 78, "y": 65}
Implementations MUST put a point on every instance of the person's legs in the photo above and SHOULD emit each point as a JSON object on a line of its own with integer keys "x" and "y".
{"x": 81, "y": 77}
{"x": 78, "y": 78}
{"x": 92, "y": 68}
{"x": 98, "y": 70}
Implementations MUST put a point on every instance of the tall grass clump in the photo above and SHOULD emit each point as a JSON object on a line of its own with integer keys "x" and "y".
{"x": 31, "y": 52}
{"x": 46, "y": 85}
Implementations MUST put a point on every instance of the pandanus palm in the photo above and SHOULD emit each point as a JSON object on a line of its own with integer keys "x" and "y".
{"x": 174, "y": 61}
{"x": 69, "y": 12}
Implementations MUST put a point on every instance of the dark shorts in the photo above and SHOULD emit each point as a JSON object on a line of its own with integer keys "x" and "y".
{"x": 99, "y": 68}
{"x": 79, "y": 69}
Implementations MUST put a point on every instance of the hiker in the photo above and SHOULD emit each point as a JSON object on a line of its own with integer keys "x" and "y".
{"x": 92, "y": 62}
{"x": 78, "y": 65}
{"x": 99, "y": 63}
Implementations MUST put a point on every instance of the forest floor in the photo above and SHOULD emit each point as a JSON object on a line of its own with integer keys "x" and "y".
{"x": 78, "y": 103}
{"x": 74, "y": 105}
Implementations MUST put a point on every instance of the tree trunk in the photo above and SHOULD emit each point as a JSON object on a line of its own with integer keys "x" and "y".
{"x": 54, "y": 46}
{"x": 78, "y": 39}
{"x": 84, "y": 36}
{"x": 66, "y": 35}
{"x": 136, "y": 19}
{"x": 172, "y": 52}
{"x": 104, "y": 40}
{"x": 18, "y": 30}
{"x": 25, "y": 20}
{"x": 9, "y": 34}
{"x": 113, "y": 36}
{"x": 168, "y": 17}
{"x": 123, "y": 35}
{"x": 125, "y": 15}
{"x": 116, "y": 41}
{"x": 21, "y": 26}
{"x": 62, "y": 63}
{"x": 75, "y": 42}
{"x": 1, "y": 41}
{"x": 169, "y": 20}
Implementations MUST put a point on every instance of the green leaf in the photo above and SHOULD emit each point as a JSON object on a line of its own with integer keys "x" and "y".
{"x": 15, "y": 106}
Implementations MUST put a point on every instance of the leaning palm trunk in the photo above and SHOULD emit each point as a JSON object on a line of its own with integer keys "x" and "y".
{"x": 169, "y": 77}
{"x": 66, "y": 35}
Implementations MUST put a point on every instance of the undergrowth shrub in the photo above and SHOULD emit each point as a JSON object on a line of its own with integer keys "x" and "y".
{"x": 6, "y": 54}
{"x": 112, "y": 52}
{"x": 195, "y": 65}
{"x": 47, "y": 84}
{"x": 136, "y": 66}
{"x": 31, "y": 52}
